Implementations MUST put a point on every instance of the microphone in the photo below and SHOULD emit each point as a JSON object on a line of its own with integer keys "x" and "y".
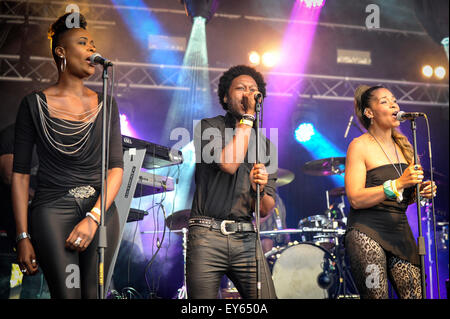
{"x": 96, "y": 58}
{"x": 403, "y": 116}
{"x": 348, "y": 126}
{"x": 258, "y": 97}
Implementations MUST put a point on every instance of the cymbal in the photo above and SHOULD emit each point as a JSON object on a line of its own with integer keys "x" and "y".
{"x": 284, "y": 177}
{"x": 338, "y": 191}
{"x": 325, "y": 167}
{"x": 178, "y": 220}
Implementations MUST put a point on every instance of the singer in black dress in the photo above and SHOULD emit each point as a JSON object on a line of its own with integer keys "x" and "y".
{"x": 65, "y": 123}
{"x": 380, "y": 180}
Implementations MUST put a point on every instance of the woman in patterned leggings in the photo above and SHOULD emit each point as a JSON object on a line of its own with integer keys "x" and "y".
{"x": 380, "y": 179}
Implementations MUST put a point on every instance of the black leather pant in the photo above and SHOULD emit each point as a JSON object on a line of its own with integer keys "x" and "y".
{"x": 70, "y": 274}
{"x": 210, "y": 255}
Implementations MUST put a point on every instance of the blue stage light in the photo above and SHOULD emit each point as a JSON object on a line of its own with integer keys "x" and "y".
{"x": 304, "y": 132}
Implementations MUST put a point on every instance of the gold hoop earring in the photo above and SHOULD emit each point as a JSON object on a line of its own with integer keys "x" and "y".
{"x": 63, "y": 64}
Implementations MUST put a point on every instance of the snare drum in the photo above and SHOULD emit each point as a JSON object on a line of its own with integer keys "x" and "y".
{"x": 304, "y": 271}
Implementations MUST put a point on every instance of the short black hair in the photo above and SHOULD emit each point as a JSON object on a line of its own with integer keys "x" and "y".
{"x": 59, "y": 27}
{"x": 232, "y": 73}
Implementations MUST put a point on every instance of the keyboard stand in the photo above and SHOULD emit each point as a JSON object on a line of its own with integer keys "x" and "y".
{"x": 133, "y": 160}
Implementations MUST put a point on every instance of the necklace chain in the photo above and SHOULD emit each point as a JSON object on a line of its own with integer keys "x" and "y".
{"x": 396, "y": 154}
{"x": 76, "y": 128}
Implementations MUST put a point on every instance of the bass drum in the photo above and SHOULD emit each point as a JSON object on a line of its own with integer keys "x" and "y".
{"x": 304, "y": 271}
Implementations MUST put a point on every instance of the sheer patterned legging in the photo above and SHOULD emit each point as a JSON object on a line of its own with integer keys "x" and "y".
{"x": 371, "y": 266}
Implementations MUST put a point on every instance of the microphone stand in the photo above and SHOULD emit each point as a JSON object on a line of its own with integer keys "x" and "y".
{"x": 420, "y": 239}
{"x": 257, "y": 204}
{"x": 102, "y": 242}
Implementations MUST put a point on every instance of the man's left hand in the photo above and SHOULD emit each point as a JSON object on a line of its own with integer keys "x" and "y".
{"x": 259, "y": 175}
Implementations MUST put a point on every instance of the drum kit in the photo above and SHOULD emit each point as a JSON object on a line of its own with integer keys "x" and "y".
{"x": 312, "y": 267}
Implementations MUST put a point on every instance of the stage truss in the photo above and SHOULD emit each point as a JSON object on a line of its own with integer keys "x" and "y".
{"x": 147, "y": 76}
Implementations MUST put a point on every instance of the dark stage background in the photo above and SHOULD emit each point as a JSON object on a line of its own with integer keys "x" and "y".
{"x": 394, "y": 56}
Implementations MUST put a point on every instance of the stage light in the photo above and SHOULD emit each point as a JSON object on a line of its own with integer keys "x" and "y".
{"x": 304, "y": 132}
{"x": 427, "y": 71}
{"x": 312, "y": 3}
{"x": 200, "y": 8}
{"x": 440, "y": 72}
{"x": 270, "y": 59}
{"x": 254, "y": 58}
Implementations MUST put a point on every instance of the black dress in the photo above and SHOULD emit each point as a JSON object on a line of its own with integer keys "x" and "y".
{"x": 386, "y": 222}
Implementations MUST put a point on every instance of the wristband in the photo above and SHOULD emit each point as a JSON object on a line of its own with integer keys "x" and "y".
{"x": 97, "y": 211}
{"x": 387, "y": 187}
{"x": 253, "y": 193}
{"x": 93, "y": 217}
{"x": 22, "y": 236}
{"x": 246, "y": 122}
{"x": 398, "y": 195}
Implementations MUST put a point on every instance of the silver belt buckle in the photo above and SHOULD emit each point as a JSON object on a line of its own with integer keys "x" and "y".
{"x": 82, "y": 191}
{"x": 223, "y": 225}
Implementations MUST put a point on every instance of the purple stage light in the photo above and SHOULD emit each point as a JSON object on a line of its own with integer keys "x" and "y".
{"x": 125, "y": 127}
{"x": 312, "y": 4}
{"x": 294, "y": 55}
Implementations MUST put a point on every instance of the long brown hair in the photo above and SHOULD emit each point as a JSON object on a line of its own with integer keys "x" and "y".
{"x": 363, "y": 97}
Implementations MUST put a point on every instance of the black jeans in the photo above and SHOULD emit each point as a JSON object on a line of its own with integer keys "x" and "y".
{"x": 210, "y": 255}
{"x": 70, "y": 274}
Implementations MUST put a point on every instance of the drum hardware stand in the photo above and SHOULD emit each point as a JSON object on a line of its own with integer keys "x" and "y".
{"x": 429, "y": 242}
{"x": 182, "y": 292}
{"x": 341, "y": 207}
{"x": 345, "y": 274}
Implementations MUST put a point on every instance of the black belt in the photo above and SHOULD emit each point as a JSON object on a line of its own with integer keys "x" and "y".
{"x": 226, "y": 227}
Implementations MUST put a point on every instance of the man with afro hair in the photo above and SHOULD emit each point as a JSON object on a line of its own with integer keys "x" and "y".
{"x": 222, "y": 238}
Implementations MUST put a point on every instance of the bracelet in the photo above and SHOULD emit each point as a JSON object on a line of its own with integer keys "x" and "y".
{"x": 248, "y": 117}
{"x": 253, "y": 193}
{"x": 246, "y": 122}
{"x": 22, "y": 236}
{"x": 387, "y": 187}
{"x": 93, "y": 217}
{"x": 398, "y": 194}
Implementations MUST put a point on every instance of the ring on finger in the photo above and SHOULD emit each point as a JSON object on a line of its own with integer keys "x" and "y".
{"x": 77, "y": 242}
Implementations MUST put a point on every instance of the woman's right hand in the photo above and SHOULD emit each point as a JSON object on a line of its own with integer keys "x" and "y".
{"x": 412, "y": 175}
{"x": 26, "y": 257}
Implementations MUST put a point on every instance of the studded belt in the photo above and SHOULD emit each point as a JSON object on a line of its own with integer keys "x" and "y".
{"x": 226, "y": 227}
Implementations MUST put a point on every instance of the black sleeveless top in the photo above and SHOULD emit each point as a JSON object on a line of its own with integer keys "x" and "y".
{"x": 386, "y": 222}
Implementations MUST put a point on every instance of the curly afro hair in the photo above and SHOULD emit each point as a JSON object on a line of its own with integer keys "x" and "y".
{"x": 59, "y": 27}
{"x": 235, "y": 71}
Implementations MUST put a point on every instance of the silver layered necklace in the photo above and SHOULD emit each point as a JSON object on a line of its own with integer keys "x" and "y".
{"x": 83, "y": 126}
{"x": 399, "y": 172}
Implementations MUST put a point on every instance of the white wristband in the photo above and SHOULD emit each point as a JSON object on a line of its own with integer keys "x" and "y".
{"x": 93, "y": 217}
